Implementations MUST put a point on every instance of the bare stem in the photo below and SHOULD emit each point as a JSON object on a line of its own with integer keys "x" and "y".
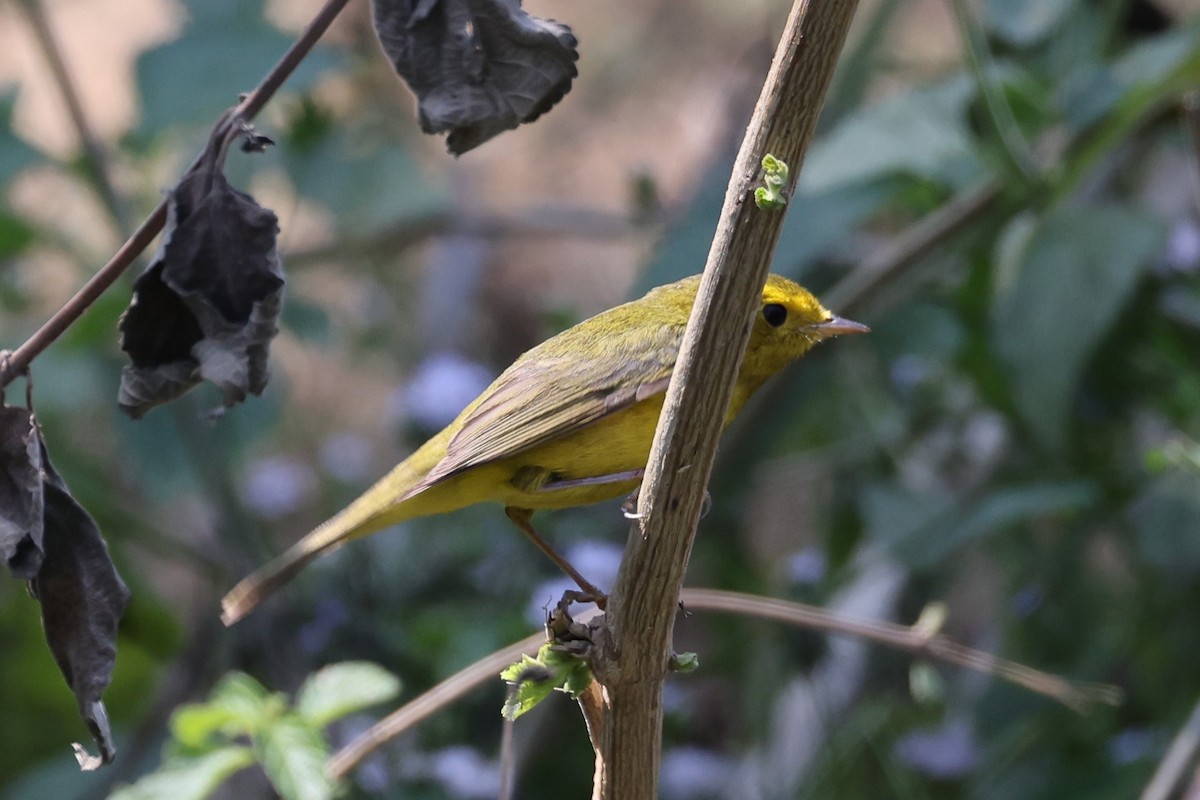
{"x": 913, "y": 244}
{"x": 93, "y": 152}
{"x": 437, "y": 698}
{"x": 909, "y": 639}
{"x": 542, "y": 224}
{"x": 424, "y": 705}
{"x": 1172, "y": 770}
{"x": 250, "y": 105}
{"x": 999, "y": 112}
{"x": 641, "y": 610}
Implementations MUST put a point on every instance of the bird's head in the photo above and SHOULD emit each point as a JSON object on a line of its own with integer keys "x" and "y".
{"x": 789, "y": 321}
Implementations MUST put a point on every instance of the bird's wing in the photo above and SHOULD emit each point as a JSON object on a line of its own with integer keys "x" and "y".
{"x": 548, "y": 394}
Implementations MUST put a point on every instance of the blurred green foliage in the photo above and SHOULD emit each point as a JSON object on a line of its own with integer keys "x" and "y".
{"x": 208, "y": 741}
{"x": 1017, "y": 437}
{"x": 230, "y": 46}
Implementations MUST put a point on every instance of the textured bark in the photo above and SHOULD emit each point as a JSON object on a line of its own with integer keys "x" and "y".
{"x": 641, "y": 613}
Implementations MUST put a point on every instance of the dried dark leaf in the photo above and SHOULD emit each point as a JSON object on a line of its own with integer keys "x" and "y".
{"x": 72, "y": 576}
{"x": 478, "y": 67}
{"x": 20, "y": 492}
{"x": 206, "y": 307}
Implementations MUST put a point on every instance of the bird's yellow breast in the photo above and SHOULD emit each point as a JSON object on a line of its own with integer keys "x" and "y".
{"x": 617, "y": 443}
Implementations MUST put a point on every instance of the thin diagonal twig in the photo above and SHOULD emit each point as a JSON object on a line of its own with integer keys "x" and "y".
{"x": 1008, "y": 133}
{"x": 1077, "y": 696}
{"x": 144, "y": 235}
{"x": 440, "y": 696}
{"x": 911, "y": 639}
{"x": 95, "y": 158}
{"x": 1180, "y": 757}
{"x": 424, "y": 705}
{"x": 913, "y": 244}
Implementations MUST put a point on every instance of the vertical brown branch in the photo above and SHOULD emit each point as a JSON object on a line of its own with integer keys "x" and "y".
{"x": 643, "y": 604}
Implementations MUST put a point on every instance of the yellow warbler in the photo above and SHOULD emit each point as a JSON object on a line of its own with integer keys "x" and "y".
{"x": 569, "y": 423}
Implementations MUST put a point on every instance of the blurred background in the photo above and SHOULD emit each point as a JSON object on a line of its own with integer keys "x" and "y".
{"x": 1017, "y": 438}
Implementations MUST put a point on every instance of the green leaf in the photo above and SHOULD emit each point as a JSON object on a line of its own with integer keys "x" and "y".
{"x": 237, "y": 706}
{"x": 772, "y": 195}
{"x": 894, "y": 515}
{"x": 922, "y": 529}
{"x": 188, "y": 779}
{"x": 1122, "y": 97}
{"x": 577, "y": 676}
{"x": 341, "y": 689}
{"x": 533, "y": 685}
{"x": 15, "y": 233}
{"x": 195, "y": 725}
{"x": 1155, "y": 60}
{"x": 923, "y": 330}
{"x": 923, "y": 132}
{"x": 365, "y": 187}
{"x": 15, "y": 155}
{"x": 307, "y": 320}
{"x": 238, "y": 699}
{"x": 536, "y": 678}
{"x": 293, "y": 755}
{"x": 1167, "y": 517}
{"x": 232, "y": 46}
{"x": 1092, "y": 91}
{"x": 241, "y": 694}
{"x": 1056, "y": 299}
{"x": 1002, "y": 508}
{"x": 1087, "y": 94}
{"x": 683, "y": 662}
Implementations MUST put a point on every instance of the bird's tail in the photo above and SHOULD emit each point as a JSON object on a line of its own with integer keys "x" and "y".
{"x": 382, "y": 505}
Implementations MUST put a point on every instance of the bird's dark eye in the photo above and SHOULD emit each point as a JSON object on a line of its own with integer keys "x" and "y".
{"x": 774, "y": 314}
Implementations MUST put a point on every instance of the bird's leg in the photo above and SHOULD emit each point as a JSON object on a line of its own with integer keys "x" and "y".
{"x": 520, "y": 517}
{"x": 538, "y": 479}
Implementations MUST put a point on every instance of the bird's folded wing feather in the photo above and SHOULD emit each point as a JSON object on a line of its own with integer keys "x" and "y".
{"x": 546, "y": 395}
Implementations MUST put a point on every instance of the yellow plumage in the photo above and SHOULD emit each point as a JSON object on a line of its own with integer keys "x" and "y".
{"x": 569, "y": 423}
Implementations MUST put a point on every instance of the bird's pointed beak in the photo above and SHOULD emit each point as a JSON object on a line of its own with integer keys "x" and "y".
{"x": 839, "y": 326}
